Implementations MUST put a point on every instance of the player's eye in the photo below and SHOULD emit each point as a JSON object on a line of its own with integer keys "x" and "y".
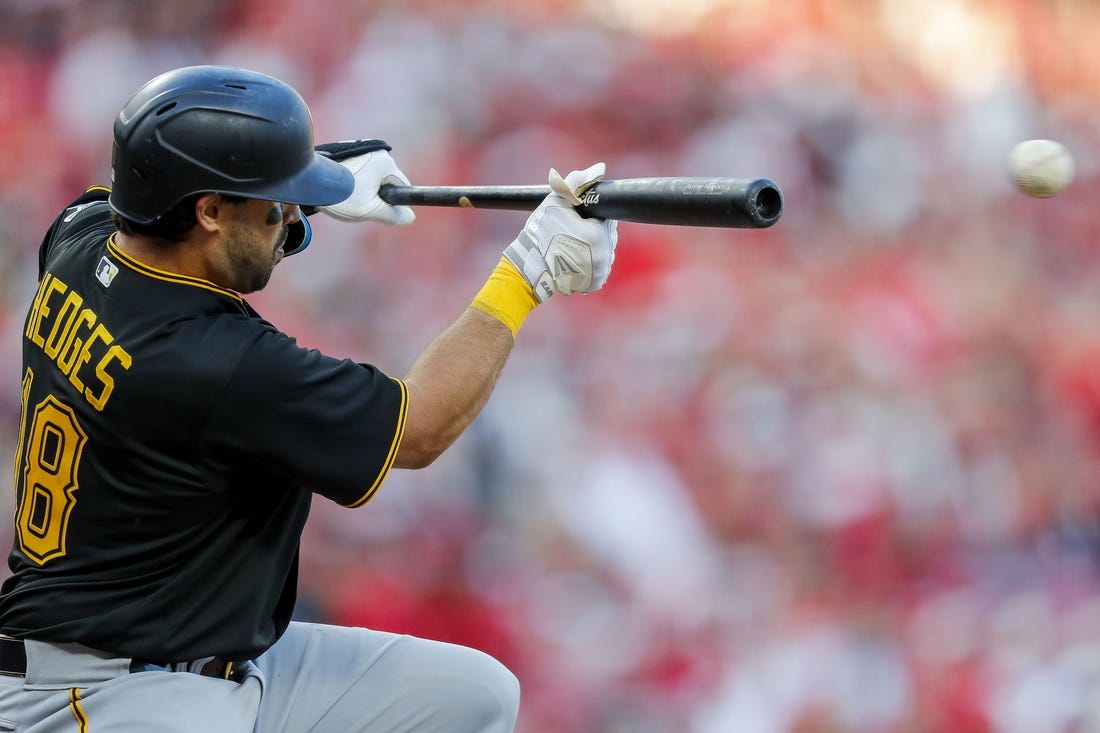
{"x": 275, "y": 215}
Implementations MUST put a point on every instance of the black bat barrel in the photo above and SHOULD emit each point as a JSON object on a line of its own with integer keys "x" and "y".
{"x": 704, "y": 202}
{"x": 743, "y": 203}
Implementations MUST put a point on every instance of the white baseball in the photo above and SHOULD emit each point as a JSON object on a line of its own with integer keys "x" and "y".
{"x": 1041, "y": 168}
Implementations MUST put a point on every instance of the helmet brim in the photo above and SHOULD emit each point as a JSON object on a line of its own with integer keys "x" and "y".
{"x": 321, "y": 183}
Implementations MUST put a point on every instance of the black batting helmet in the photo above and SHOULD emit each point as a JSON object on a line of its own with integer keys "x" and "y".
{"x": 218, "y": 129}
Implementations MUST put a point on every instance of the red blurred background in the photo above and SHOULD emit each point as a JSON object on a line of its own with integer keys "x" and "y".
{"x": 837, "y": 475}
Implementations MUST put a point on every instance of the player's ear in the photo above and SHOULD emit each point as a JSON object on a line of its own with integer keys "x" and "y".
{"x": 209, "y": 210}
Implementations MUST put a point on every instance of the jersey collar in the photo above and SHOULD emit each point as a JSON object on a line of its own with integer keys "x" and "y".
{"x": 167, "y": 276}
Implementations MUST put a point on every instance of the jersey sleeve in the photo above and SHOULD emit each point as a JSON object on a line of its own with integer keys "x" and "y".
{"x": 331, "y": 425}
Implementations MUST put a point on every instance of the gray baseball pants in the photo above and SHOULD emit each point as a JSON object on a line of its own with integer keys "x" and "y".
{"x": 315, "y": 679}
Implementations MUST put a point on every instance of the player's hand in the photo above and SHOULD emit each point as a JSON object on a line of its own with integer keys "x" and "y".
{"x": 371, "y": 164}
{"x": 558, "y": 250}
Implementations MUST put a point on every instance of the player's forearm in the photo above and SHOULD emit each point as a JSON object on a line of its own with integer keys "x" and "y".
{"x": 451, "y": 381}
{"x": 449, "y": 384}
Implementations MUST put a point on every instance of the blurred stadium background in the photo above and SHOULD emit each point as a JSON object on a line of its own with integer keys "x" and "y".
{"x": 838, "y": 475}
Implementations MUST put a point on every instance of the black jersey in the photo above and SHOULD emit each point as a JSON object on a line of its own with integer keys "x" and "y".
{"x": 169, "y": 447}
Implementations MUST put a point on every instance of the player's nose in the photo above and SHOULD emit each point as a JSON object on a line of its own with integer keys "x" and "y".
{"x": 291, "y": 213}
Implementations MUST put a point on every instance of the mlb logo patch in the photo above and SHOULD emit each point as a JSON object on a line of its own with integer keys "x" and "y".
{"x": 105, "y": 272}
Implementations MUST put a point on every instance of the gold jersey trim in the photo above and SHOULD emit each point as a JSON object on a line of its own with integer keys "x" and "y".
{"x": 77, "y": 710}
{"x": 398, "y": 434}
{"x": 166, "y": 276}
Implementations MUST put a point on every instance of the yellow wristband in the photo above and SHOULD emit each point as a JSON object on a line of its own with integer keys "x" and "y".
{"x": 506, "y": 296}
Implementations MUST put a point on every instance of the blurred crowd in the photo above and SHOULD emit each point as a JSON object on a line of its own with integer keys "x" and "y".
{"x": 841, "y": 474}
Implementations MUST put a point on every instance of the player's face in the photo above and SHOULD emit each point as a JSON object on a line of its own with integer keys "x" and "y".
{"x": 254, "y": 243}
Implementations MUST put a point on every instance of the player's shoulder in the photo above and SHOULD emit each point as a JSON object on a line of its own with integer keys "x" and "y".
{"x": 90, "y": 206}
{"x": 88, "y": 213}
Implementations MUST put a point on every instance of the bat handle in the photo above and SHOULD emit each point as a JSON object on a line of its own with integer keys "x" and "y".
{"x": 512, "y": 198}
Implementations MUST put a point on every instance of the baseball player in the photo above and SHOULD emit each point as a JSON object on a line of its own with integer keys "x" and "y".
{"x": 171, "y": 438}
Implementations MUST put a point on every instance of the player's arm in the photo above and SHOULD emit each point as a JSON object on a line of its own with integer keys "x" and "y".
{"x": 557, "y": 251}
{"x": 449, "y": 383}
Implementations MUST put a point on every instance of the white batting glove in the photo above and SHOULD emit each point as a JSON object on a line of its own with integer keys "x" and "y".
{"x": 558, "y": 250}
{"x": 372, "y": 170}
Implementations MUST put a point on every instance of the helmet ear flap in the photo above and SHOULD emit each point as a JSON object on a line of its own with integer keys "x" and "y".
{"x": 298, "y": 236}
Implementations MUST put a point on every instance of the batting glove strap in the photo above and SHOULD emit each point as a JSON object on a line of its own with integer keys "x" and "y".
{"x": 350, "y": 148}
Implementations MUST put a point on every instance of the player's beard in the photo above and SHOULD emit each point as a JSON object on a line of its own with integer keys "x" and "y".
{"x": 251, "y": 259}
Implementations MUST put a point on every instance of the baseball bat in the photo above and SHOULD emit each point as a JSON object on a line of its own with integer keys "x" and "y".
{"x": 739, "y": 203}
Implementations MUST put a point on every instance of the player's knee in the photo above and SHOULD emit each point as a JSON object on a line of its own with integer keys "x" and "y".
{"x": 482, "y": 697}
{"x": 507, "y": 694}
{"x": 492, "y": 705}
{"x": 459, "y": 688}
